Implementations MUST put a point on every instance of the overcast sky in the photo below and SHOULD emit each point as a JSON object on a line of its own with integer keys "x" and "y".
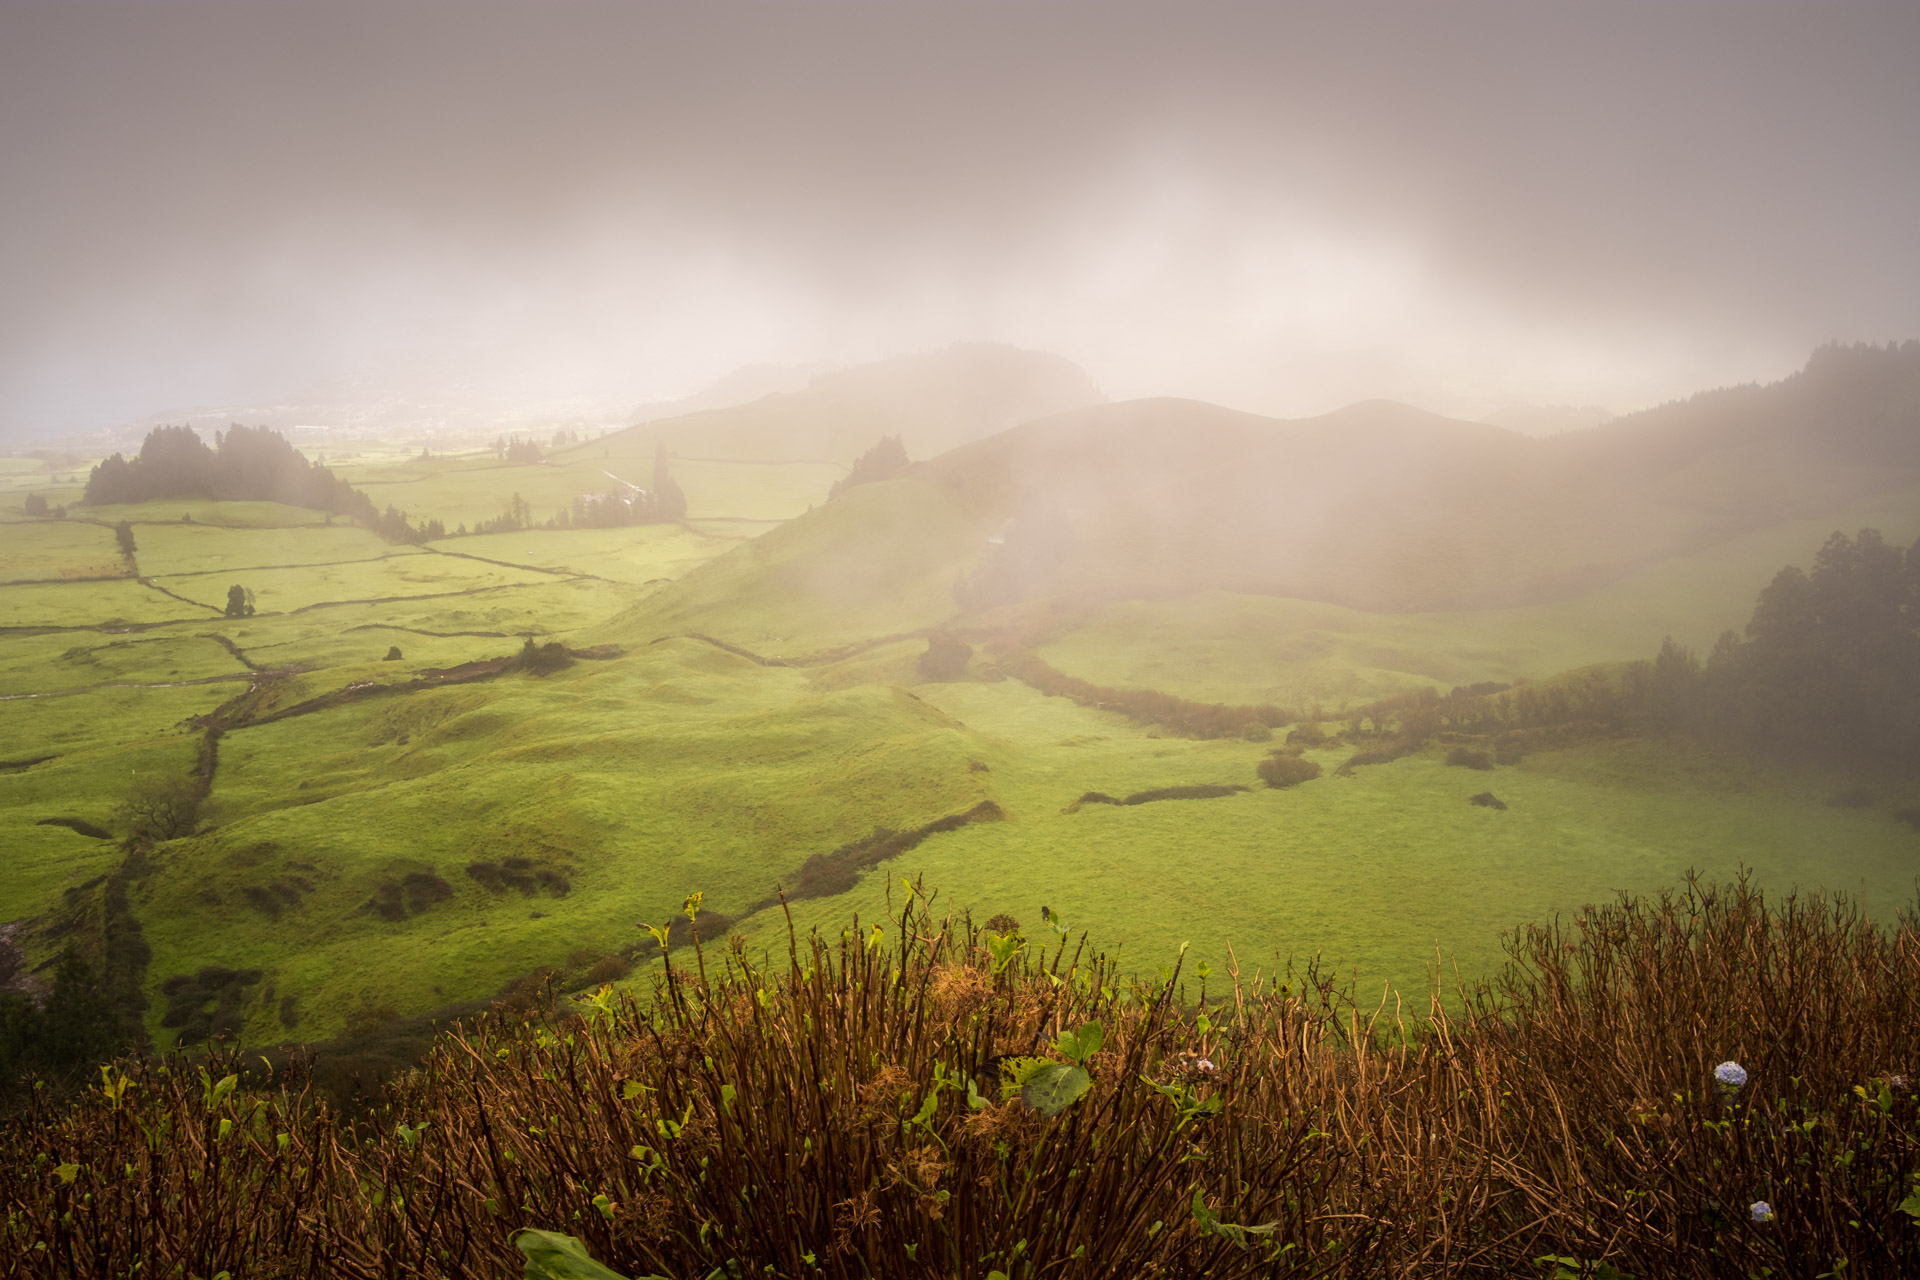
{"x": 1283, "y": 208}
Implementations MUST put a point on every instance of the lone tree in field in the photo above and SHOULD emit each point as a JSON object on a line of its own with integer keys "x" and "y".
{"x": 161, "y": 808}
{"x": 36, "y": 504}
{"x": 239, "y": 602}
{"x": 123, "y": 534}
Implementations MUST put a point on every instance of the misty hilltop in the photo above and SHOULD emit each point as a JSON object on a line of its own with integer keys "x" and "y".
{"x": 933, "y": 401}
{"x": 1378, "y": 506}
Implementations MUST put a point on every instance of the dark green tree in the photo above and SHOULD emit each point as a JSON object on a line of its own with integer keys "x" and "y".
{"x": 886, "y": 459}
{"x": 63, "y": 1038}
{"x": 36, "y": 504}
{"x": 668, "y": 502}
{"x": 239, "y": 602}
{"x": 123, "y": 534}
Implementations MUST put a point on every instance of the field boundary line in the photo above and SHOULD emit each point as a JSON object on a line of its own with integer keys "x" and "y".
{"x": 266, "y": 568}
{"x": 508, "y": 564}
{"x": 128, "y": 684}
{"x": 149, "y": 582}
{"x": 819, "y": 658}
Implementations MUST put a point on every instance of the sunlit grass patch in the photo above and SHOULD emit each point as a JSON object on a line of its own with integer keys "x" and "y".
{"x": 238, "y": 515}
{"x": 397, "y": 573}
{"x": 37, "y": 862}
{"x": 90, "y": 604}
{"x": 42, "y": 725}
{"x": 73, "y": 660}
{"x": 58, "y": 549}
{"x": 207, "y": 547}
{"x": 636, "y": 554}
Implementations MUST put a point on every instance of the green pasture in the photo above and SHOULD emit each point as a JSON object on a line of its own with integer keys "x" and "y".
{"x": 469, "y": 488}
{"x": 91, "y": 604}
{"x": 466, "y": 489}
{"x": 58, "y": 549}
{"x": 635, "y": 555}
{"x": 752, "y": 490}
{"x": 38, "y": 862}
{"x": 440, "y": 631}
{"x": 54, "y": 723}
{"x": 403, "y": 572}
{"x": 234, "y": 515}
{"x": 676, "y": 767}
{"x": 167, "y": 549}
{"x": 680, "y": 767}
{"x": 65, "y": 660}
{"x": 1380, "y": 872}
{"x": 1220, "y": 647}
{"x": 837, "y": 575}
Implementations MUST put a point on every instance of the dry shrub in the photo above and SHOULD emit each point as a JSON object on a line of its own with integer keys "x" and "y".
{"x": 1283, "y": 770}
{"x": 838, "y": 1115}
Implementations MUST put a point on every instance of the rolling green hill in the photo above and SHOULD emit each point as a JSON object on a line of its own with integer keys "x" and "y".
{"x": 387, "y": 835}
{"x": 1378, "y": 507}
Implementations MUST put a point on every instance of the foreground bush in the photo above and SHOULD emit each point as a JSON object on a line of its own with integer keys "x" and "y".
{"x": 933, "y": 1100}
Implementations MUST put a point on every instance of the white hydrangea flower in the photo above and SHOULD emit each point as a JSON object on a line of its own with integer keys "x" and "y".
{"x": 1730, "y": 1074}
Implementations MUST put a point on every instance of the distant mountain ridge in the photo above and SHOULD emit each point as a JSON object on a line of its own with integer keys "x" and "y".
{"x": 1379, "y": 506}
{"x": 933, "y": 401}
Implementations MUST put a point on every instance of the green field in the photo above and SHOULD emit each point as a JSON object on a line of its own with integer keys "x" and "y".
{"x": 465, "y": 489}
{"x": 1221, "y": 647}
{"x": 335, "y": 847}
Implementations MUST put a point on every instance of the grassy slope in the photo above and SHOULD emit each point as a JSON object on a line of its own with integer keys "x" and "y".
{"x": 1222, "y": 647}
{"x": 1376, "y": 870}
{"x": 837, "y": 575}
{"x": 61, "y": 549}
{"x": 675, "y": 768}
{"x": 680, "y": 767}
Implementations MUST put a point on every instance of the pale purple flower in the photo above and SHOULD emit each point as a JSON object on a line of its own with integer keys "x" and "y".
{"x": 1730, "y": 1074}
{"x": 1761, "y": 1211}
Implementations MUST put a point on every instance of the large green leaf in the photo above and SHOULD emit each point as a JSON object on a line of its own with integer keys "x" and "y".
{"x": 1053, "y": 1089}
{"x": 552, "y": 1256}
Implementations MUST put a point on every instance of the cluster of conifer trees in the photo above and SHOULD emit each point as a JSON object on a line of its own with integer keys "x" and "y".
{"x": 244, "y": 464}
{"x": 885, "y": 460}
{"x": 1827, "y": 670}
{"x": 1829, "y": 667}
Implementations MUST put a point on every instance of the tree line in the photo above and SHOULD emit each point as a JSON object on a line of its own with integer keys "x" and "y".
{"x": 258, "y": 464}
{"x": 1827, "y": 670}
{"x": 244, "y": 464}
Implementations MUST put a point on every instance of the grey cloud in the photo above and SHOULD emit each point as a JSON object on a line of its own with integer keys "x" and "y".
{"x": 1277, "y": 205}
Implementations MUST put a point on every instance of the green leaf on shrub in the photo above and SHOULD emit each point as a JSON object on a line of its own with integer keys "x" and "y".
{"x": 1055, "y": 1087}
{"x": 1911, "y": 1205}
{"x": 552, "y": 1256}
{"x": 1082, "y": 1046}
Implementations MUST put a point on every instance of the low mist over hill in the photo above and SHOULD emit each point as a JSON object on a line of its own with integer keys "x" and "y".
{"x": 933, "y": 401}
{"x": 1378, "y": 506}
